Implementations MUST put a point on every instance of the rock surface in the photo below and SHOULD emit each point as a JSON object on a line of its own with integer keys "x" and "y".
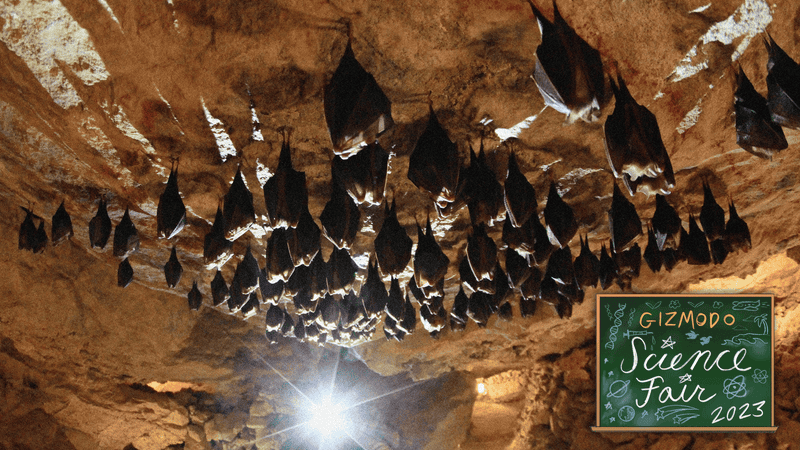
{"x": 96, "y": 97}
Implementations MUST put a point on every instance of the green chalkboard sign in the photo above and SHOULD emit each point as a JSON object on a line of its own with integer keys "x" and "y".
{"x": 685, "y": 363}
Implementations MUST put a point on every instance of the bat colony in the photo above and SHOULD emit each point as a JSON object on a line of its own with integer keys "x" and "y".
{"x": 539, "y": 266}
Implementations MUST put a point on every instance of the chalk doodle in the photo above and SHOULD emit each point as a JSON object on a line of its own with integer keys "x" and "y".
{"x": 631, "y": 317}
{"x": 762, "y": 321}
{"x": 611, "y": 419}
{"x": 668, "y": 342}
{"x": 717, "y": 305}
{"x": 608, "y": 406}
{"x": 626, "y": 413}
{"x": 612, "y": 333}
{"x": 685, "y": 377}
{"x": 674, "y": 304}
{"x": 695, "y": 305}
{"x": 618, "y": 389}
{"x": 644, "y": 413}
{"x": 630, "y": 333}
{"x": 705, "y": 340}
{"x": 653, "y": 305}
{"x": 679, "y": 413}
{"x": 760, "y": 376}
{"x": 734, "y": 387}
{"x": 692, "y": 335}
{"x": 746, "y": 305}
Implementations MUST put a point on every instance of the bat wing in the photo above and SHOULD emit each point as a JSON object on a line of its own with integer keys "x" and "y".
{"x": 608, "y": 269}
{"x": 364, "y": 175}
{"x": 479, "y": 308}
{"x": 434, "y": 165}
{"x": 586, "y": 265}
{"x": 481, "y": 254}
{"x": 755, "y": 130}
{"x": 100, "y": 227}
{"x": 517, "y": 268}
{"x": 341, "y": 271}
{"x": 279, "y": 260}
{"x": 126, "y": 238}
{"x": 712, "y": 216}
{"x": 171, "y": 212}
{"x": 304, "y": 240}
{"x": 219, "y": 289}
{"x": 27, "y": 231}
{"x": 340, "y": 218}
{"x": 519, "y": 196}
{"x": 61, "y": 226}
{"x": 217, "y": 250}
{"x": 274, "y": 318}
{"x": 624, "y": 223}
{"x": 652, "y": 255}
{"x": 737, "y": 233}
{"x": 484, "y": 192}
{"x": 173, "y": 269}
{"x": 666, "y": 224}
{"x": 409, "y": 322}
{"x": 195, "y": 298}
{"x": 238, "y": 208}
{"x": 696, "y": 248}
{"x": 395, "y": 304}
{"x": 560, "y": 219}
{"x": 392, "y": 244}
{"x": 249, "y": 275}
{"x": 430, "y": 262}
{"x": 783, "y": 97}
{"x": 458, "y": 314}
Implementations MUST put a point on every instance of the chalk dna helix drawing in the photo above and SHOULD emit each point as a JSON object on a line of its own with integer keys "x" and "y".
{"x": 612, "y": 332}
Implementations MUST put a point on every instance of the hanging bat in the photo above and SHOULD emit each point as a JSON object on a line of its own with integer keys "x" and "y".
{"x": 249, "y": 272}
{"x": 434, "y": 164}
{"x": 373, "y": 292}
{"x": 217, "y": 250}
{"x": 353, "y": 310}
{"x": 458, "y": 315}
{"x": 304, "y": 240}
{"x": 531, "y": 287}
{"x": 392, "y": 244}
{"x": 341, "y": 218}
{"x": 319, "y": 276}
{"x": 559, "y": 218}
{"x": 173, "y": 269}
{"x": 39, "y": 239}
{"x": 548, "y": 291}
{"x": 521, "y": 239}
{"x": 27, "y": 231}
{"x": 484, "y": 193}
{"x": 195, "y": 298}
{"x": 623, "y": 222}
{"x": 287, "y": 329}
{"x": 409, "y": 322}
{"x": 356, "y": 109}
{"x": 682, "y": 252}
{"x": 505, "y": 312}
{"x": 419, "y": 296}
{"x": 219, "y": 289}
{"x": 363, "y": 176}
{"x": 300, "y": 330}
{"x": 100, "y": 226}
{"x": 341, "y": 271}
{"x": 527, "y": 307}
{"x": 251, "y": 306}
{"x": 712, "y": 217}
{"x": 433, "y": 321}
{"x": 61, "y": 227}
{"x": 652, "y": 255}
{"x": 279, "y": 261}
{"x": 124, "y": 273}
{"x": 285, "y": 193}
{"x": 719, "y": 251}
{"x": 303, "y": 303}
{"x": 468, "y": 278}
{"x": 481, "y": 253}
{"x": 329, "y": 312}
{"x": 171, "y": 213}
{"x": 275, "y": 317}
{"x": 756, "y": 132}
{"x": 629, "y": 262}
{"x": 271, "y": 292}
{"x": 666, "y": 224}
{"x": 783, "y": 97}
{"x": 430, "y": 262}
{"x": 395, "y": 303}
{"x": 126, "y": 239}
{"x": 586, "y": 265}
{"x": 671, "y": 258}
{"x": 569, "y": 72}
{"x": 608, "y": 269}
{"x": 516, "y": 268}
{"x": 737, "y": 234}
{"x": 300, "y": 280}
{"x": 696, "y": 248}
{"x": 634, "y": 147}
{"x": 519, "y": 197}
{"x": 238, "y": 208}
{"x": 501, "y": 287}
{"x": 479, "y": 308}
{"x": 561, "y": 270}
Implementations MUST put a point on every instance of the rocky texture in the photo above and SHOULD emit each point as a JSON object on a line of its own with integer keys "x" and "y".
{"x": 96, "y": 97}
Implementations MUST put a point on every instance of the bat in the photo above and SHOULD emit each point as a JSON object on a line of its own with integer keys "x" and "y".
{"x": 356, "y": 109}
{"x": 373, "y": 292}
{"x": 608, "y": 269}
{"x": 430, "y": 262}
{"x": 300, "y": 330}
{"x": 329, "y": 312}
{"x": 586, "y": 265}
{"x": 531, "y": 287}
{"x": 100, "y": 227}
{"x": 409, "y": 322}
{"x": 548, "y": 291}
{"x": 279, "y": 261}
{"x": 392, "y": 244}
{"x": 61, "y": 226}
{"x": 783, "y": 96}
{"x": 354, "y": 310}
{"x": 623, "y": 221}
{"x": 737, "y": 233}
{"x": 505, "y": 312}
{"x": 458, "y": 314}
{"x": 249, "y": 272}
{"x": 285, "y": 193}
{"x": 363, "y": 175}
{"x": 304, "y": 240}
{"x": 521, "y": 239}
{"x": 561, "y": 270}
{"x": 569, "y": 72}
{"x": 39, "y": 239}
{"x": 719, "y": 251}
{"x": 27, "y": 231}
{"x": 629, "y": 262}
{"x": 391, "y": 331}
{"x": 756, "y": 132}
{"x": 195, "y": 298}
{"x": 304, "y": 303}
{"x": 219, "y": 289}
{"x": 287, "y": 329}
{"x": 217, "y": 250}
{"x": 171, "y": 213}
{"x": 126, "y": 239}
{"x": 251, "y": 306}
{"x": 559, "y": 218}
{"x": 479, "y": 308}
{"x": 173, "y": 269}
{"x": 124, "y": 273}
{"x": 519, "y": 197}
{"x": 682, "y": 251}
{"x": 433, "y": 321}
{"x": 517, "y": 268}
{"x": 527, "y": 307}
{"x": 395, "y": 303}
{"x": 341, "y": 271}
{"x": 671, "y": 258}
{"x": 300, "y": 280}
{"x": 666, "y": 224}
{"x": 652, "y": 255}
{"x": 341, "y": 217}
{"x": 484, "y": 193}
{"x": 468, "y": 279}
{"x": 274, "y": 319}
{"x": 696, "y": 248}
{"x": 271, "y": 292}
{"x": 434, "y": 163}
{"x": 238, "y": 208}
{"x": 501, "y": 287}
{"x": 712, "y": 217}
{"x": 481, "y": 253}
{"x": 319, "y": 276}
{"x": 634, "y": 147}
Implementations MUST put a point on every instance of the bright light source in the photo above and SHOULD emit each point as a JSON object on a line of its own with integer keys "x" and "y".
{"x": 327, "y": 418}
{"x": 481, "y": 388}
